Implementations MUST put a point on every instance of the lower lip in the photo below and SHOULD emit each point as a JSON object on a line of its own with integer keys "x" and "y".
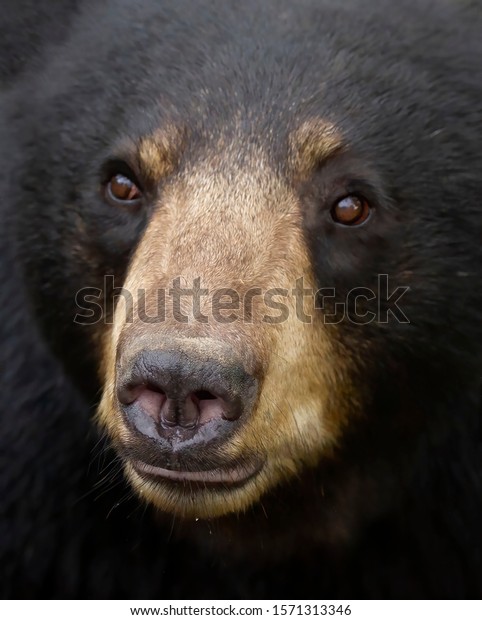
{"x": 229, "y": 476}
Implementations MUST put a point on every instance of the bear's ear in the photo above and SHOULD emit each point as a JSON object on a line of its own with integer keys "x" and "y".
{"x": 27, "y": 27}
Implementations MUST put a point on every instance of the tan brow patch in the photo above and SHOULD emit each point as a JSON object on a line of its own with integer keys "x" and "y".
{"x": 158, "y": 154}
{"x": 313, "y": 142}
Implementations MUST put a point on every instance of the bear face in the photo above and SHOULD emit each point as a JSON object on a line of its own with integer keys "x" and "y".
{"x": 264, "y": 154}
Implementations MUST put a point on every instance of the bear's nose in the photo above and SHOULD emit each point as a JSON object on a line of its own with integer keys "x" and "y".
{"x": 171, "y": 393}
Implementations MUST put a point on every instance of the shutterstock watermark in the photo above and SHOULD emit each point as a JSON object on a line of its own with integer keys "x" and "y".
{"x": 193, "y": 303}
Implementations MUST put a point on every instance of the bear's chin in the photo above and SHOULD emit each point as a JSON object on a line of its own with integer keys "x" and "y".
{"x": 200, "y": 495}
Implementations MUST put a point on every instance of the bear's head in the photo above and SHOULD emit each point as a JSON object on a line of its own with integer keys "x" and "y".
{"x": 289, "y": 230}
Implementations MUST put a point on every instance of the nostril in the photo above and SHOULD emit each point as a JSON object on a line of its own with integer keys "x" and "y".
{"x": 151, "y": 401}
{"x": 154, "y": 388}
{"x": 213, "y": 407}
{"x": 204, "y": 395}
{"x": 131, "y": 392}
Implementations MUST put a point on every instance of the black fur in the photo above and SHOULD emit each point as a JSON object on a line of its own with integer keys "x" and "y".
{"x": 404, "y": 81}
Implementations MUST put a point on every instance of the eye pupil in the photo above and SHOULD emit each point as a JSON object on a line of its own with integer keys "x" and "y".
{"x": 351, "y": 210}
{"x": 121, "y": 188}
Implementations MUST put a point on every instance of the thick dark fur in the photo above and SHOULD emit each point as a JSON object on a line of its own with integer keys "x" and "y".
{"x": 404, "y": 81}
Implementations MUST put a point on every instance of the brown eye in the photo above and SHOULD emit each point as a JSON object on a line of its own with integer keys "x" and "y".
{"x": 351, "y": 211}
{"x": 121, "y": 190}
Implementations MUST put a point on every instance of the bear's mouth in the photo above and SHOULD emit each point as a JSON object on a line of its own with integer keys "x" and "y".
{"x": 236, "y": 474}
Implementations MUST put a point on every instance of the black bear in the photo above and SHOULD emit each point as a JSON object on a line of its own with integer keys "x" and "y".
{"x": 240, "y": 299}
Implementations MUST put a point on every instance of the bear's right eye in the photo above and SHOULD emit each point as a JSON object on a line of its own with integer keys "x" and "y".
{"x": 122, "y": 191}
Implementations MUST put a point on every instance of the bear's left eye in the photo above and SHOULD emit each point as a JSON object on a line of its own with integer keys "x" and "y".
{"x": 351, "y": 211}
{"x": 120, "y": 190}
